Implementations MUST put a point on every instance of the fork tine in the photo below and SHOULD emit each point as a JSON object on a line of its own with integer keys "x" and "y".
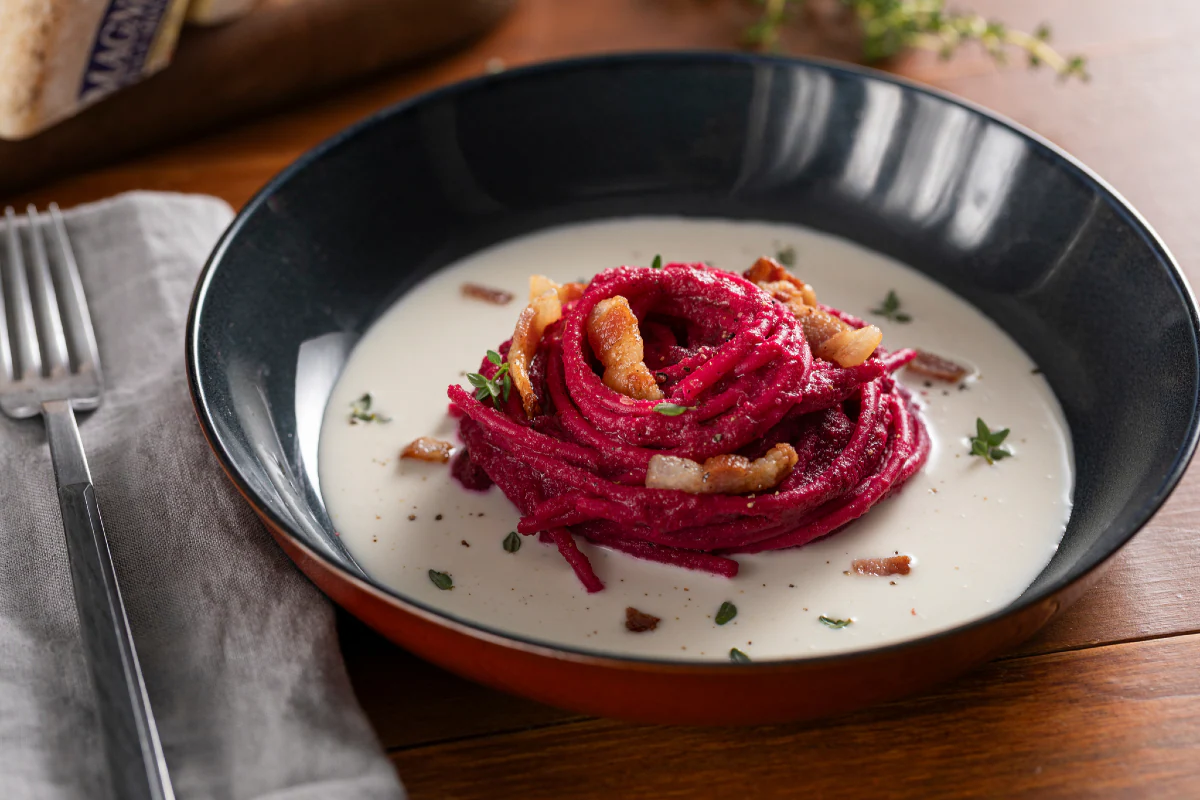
{"x": 29, "y": 360}
{"x": 6, "y": 365}
{"x": 45, "y": 305}
{"x": 77, "y": 321}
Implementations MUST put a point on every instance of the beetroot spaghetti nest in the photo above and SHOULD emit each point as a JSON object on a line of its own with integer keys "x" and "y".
{"x": 683, "y": 415}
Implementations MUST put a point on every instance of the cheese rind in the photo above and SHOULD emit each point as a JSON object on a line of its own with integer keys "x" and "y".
{"x": 60, "y": 56}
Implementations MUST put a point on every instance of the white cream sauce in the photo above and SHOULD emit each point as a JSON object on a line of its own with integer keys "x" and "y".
{"x": 978, "y": 534}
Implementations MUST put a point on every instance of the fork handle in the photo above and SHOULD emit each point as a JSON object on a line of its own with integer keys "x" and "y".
{"x": 137, "y": 768}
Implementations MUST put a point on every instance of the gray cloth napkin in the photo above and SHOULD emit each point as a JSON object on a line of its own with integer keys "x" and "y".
{"x": 239, "y": 650}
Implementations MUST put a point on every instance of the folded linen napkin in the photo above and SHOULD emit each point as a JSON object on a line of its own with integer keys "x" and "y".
{"x": 239, "y": 650}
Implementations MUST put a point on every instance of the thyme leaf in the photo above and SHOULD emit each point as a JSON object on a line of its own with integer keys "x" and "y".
{"x": 512, "y": 542}
{"x": 360, "y": 411}
{"x": 498, "y": 387}
{"x": 986, "y": 442}
{"x": 890, "y": 308}
{"x": 671, "y": 409}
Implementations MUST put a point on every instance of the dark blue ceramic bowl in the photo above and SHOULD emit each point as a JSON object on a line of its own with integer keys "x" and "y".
{"x": 1004, "y": 219}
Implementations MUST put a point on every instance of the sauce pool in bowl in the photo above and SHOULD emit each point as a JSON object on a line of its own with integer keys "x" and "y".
{"x": 978, "y": 534}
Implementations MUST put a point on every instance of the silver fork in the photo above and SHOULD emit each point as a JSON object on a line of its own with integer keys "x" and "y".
{"x": 49, "y": 365}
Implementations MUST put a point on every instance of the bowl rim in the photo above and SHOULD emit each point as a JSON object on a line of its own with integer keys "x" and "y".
{"x": 698, "y": 57}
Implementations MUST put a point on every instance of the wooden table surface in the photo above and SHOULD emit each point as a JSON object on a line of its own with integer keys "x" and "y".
{"x": 1104, "y": 702}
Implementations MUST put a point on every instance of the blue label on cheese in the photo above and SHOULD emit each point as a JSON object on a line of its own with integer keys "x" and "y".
{"x": 123, "y": 40}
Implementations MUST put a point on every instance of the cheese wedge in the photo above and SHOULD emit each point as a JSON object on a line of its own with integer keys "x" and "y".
{"x": 60, "y": 56}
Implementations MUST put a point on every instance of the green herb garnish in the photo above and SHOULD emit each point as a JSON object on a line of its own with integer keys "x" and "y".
{"x": 656, "y": 263}
{"x": 496, "y": 387}
{"x": 442, "y": 580}
{"x": 726, "y": 612}
{"x": 512, "y": 542}
{"x": 986, "y": 443}
{"x": 738, "y": 657}
{"x": 890, "y": 309}
{"x": 834, "y": 623}
{"x": 787, "y": 256}
{"x": 672, "y": 409}
{"x": 890, "y": 26}
{"x": 360, "y": 411}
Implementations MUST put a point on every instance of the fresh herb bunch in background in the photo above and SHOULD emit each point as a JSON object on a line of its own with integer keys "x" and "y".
{"x": 889, "y": 26}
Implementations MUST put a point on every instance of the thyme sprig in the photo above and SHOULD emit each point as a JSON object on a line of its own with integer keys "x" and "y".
{"x": 360, "y": 411}
{"x": 890, "y": 308}
{"x": 889, "y": 26}
{"x": 496, "y": 387}
{"x": 986, "y": 442}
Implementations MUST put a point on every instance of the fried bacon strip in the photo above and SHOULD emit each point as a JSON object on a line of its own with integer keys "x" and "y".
{"x": 540, "y": 284}
{"x": 545, "y": 308}
{"x": 892, "y": 565}
{"x": 497, "y": 297}
{"x": 428, "y": 449}
{"x": 828, "y": 337}
{"x": 616, "y": 340}
{"x": 851, "y": 347}
{"x": 938, "y": 368}
{"x": 723, "y": 474}
{"x": 768, "y": 270}
{"x": 639, "y": 621}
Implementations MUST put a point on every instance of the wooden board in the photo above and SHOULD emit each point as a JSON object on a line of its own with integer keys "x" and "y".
{"x": 283, "y": 51}
{"x": 1115, "y": 721}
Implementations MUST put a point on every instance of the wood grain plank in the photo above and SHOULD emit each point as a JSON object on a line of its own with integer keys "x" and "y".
{"x": 1118, "y": 721}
